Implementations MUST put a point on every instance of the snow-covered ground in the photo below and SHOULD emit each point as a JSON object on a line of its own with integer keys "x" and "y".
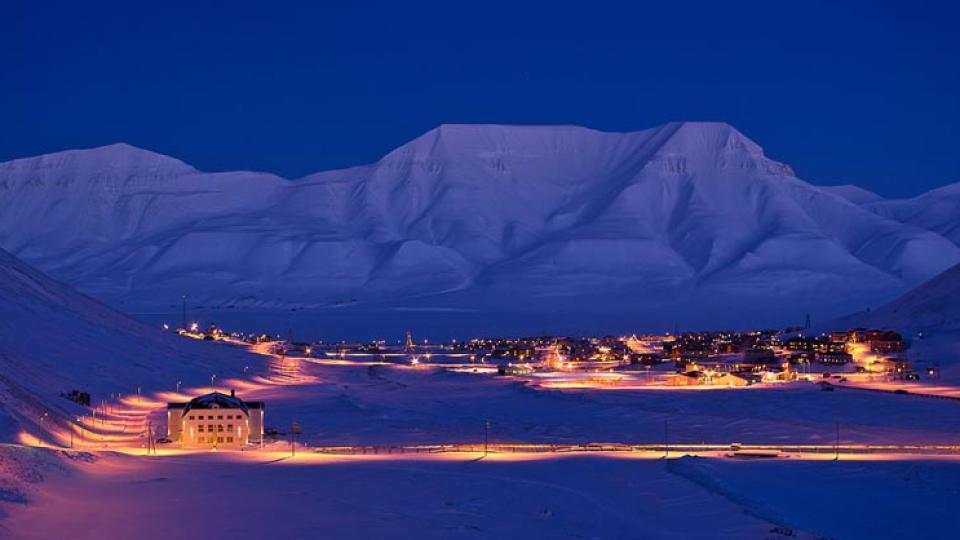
{"x": 517, "y": 496}
{"x": 401, "y": 405}
{"x": 868, "y": 499}
{"x": 439, "y": 497}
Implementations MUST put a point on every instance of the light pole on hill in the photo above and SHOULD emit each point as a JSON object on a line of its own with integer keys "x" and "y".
{"x": 40, "y": 429}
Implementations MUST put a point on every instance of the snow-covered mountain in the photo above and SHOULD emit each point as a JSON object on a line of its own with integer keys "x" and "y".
{"x": 854, "y": 194}
{"x": 54, "y": 339}
{"x": 683, "y": 218}
{"x": 937, "y": 210}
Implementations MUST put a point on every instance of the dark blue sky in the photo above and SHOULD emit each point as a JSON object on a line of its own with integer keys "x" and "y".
{"x": 862, "y": 93}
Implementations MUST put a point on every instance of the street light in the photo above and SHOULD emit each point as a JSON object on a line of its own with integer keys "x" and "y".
{"x": 212, "y": 379}
{"x": 40, "y": 429}
{"x": 178, "y": 386}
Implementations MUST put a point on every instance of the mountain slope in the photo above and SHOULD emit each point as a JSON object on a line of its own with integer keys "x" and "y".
{"x": 684, "y": 215}
{"x": 53, "y": 340}
{"x": 937, "y": 211}
{"x": 933, "y": 305}
{"x": 854, "y": 194}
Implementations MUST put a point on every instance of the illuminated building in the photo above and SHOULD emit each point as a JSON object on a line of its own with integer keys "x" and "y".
{"x": 215, "y": 421}
{"x": 834, "y": 358}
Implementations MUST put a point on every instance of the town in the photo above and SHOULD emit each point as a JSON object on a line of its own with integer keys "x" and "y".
{"x": 705, "y": 358}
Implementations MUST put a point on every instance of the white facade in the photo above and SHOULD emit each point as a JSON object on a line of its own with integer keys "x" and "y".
{"x": 215, "y": 421}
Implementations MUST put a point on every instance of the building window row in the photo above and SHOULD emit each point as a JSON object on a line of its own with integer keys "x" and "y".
{"x": 201, "y": 439}
{"x": 210, "y": 428}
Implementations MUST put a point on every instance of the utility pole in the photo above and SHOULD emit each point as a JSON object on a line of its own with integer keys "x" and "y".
{"x": 294, "y": 430}
{"x": 666, "y": 439}
{"x": 836, "y": 447}
{"x": 149, "y": 438}
{"x": 486, "y": 436}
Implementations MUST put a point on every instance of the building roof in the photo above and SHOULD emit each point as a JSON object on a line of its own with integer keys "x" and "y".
{"x": 216, "y": 400}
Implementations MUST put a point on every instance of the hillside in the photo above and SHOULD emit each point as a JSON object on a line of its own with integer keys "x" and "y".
{"x": 932, "y": 306}
{"x": 53, "y": 340}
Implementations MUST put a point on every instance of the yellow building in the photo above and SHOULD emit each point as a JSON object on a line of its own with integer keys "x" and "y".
{"x": 215, "y": 421}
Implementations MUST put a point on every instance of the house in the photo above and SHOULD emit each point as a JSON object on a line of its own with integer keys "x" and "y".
{"x": 738, "y": 378}
{"x": 834, "y": 358}
{"x": 898, "y": 367}
{"x": 885, "y": 341}
{"x": 799, "y": 343}
{"x": 759, "y": 357}
{"x": 646, "y": 359}
{"x": 689, "y": 378}
{"x": 826, "y": 345}
{"x": 512, "y": 369}
{"x": 216, "y": 421}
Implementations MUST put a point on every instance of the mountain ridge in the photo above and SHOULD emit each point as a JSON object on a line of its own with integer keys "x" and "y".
{"x": 493, "y": 215}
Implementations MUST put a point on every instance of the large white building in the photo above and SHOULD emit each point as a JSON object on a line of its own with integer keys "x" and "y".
{"x": 215, "y": 421}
